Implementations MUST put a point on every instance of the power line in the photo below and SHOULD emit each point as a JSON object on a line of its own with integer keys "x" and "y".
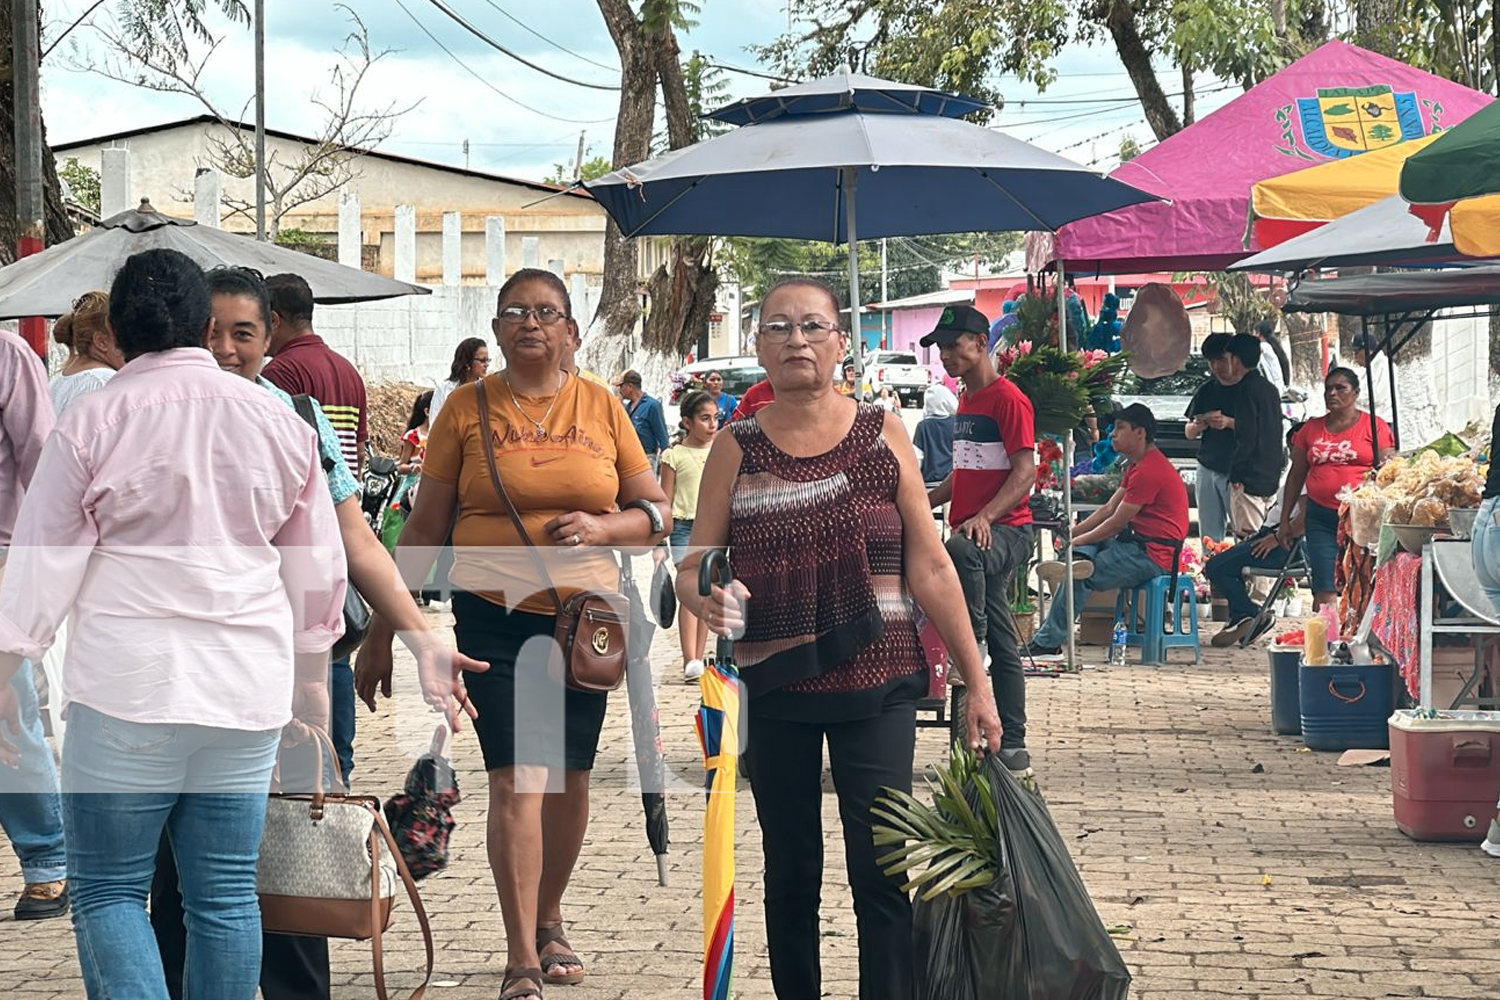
{"x": 468, "y": 69}
{"x": 471, "y": 29}
{"x": 557, "y": 45}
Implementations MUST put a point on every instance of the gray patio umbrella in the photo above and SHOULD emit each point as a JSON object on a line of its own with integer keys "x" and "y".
{"x": 1384, "y": 233}
{"x": 792, "y": 168}
{"x": 45, "y": 284}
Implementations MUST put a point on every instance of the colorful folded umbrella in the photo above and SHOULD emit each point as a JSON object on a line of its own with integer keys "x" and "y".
{"x": 718, "y": 732}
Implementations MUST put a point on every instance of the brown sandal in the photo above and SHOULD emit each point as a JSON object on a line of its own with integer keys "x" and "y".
{"x": 554, "y": 935}
{"x": 518, "y": 984}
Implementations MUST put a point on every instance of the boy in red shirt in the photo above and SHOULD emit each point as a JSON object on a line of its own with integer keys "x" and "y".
{"x": 994, "y": 470}
{"x": 1151, "y": 504}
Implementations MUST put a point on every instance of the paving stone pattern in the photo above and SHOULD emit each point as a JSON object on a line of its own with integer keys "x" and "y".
{"x": 1241, "y": 866}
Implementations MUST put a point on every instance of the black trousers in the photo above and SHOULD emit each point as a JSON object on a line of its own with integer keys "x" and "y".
{"x": 291, "y": 967}
{"x": 786, "y": 762}
{"x": 985, "y": 575}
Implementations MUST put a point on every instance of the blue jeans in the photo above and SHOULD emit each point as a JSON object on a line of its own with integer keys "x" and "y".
{"x": 1485, "y": 550}
{"x": 205, "y": 787}
{"x": 341, "y": 714}
{"x": 1212, "y": 491}
{"x": 1322, "y": 545}
{"x": 1116, "y": 565}
{"x": 30, "y": 810}
{"x": 1226, "y": 572}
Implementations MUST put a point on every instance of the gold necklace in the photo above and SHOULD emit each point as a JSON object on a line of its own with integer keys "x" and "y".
{"x": 541, "y": 430}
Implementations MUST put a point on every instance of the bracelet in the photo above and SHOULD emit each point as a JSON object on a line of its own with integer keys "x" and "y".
{"x": 658, "y": 525}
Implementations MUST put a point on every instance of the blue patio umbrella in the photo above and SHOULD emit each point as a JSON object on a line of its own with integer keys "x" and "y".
{"x": 793, "y": 167}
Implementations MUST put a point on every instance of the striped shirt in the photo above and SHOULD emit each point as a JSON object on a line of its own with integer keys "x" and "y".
{"x": 307, "y": 365}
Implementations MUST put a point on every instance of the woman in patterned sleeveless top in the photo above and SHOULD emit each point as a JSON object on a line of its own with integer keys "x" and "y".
{"x": 822, "y": 505}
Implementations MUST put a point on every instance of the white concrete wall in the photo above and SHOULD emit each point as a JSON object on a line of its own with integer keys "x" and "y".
{"x": 411, "y": 339}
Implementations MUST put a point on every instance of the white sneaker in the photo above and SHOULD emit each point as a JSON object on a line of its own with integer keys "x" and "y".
{"x": 692, "y": 670}
{"x": 1054, "y": 572}
{"x": 1491, "y": 845}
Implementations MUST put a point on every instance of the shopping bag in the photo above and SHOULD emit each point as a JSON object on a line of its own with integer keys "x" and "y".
{"x": 1032, "y": 932}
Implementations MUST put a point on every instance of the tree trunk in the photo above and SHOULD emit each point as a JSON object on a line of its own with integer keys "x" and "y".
{"x": 1374, "y": 22}
{"x": 56, "y": 215}
{"x": 1188, "y": 114}
{"x": 1136, "y": 59}
{"x": 1304, "y": 347}
{"x": 613, "y": 327}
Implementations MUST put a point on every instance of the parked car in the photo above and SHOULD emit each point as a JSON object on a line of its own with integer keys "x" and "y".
{"x": 900, "y": 370}
{"x": 740, "y": 373}
{"x": 1168, "y": 396}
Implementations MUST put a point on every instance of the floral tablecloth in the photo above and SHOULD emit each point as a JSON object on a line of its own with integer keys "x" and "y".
{"x": 1394, "y": 619}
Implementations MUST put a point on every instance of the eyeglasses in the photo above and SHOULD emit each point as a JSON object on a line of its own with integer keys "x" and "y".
{"x": 813, "y": 331}
{"x": 545, "y": 315}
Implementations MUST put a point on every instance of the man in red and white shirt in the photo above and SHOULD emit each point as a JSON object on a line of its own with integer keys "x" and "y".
{"x": 994, "y": 471}
{"x": 1129, "y": 540}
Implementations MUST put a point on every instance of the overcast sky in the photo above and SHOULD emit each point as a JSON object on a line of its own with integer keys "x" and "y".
{"x": 518, "y": 121}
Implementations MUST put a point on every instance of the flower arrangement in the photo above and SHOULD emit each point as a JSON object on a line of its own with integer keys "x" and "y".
{"x": 681, "y": 380}
{"x": 1190, "y": 564}
{"x": 1049, "y": 456}
{"x": 1061, "y": 385}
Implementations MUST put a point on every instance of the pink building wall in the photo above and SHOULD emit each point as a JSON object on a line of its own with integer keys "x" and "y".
{"x": 909, "y": 326}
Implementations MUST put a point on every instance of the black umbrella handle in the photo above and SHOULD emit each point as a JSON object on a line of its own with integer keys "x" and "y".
{"x": 713, "y": 569}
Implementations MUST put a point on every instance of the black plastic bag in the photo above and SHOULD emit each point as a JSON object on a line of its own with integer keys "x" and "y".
{"x": 1032, "y": 933}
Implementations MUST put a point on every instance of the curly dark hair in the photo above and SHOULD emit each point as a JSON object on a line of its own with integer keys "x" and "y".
{"x": 242, "y": 281}
{"x": 158, "y": 301}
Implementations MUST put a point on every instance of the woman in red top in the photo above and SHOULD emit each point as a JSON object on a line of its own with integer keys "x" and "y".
{"x": 1329, "y": 453}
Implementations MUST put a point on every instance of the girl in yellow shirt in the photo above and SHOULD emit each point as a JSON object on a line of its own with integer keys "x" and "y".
{"x": 681, "y": 469}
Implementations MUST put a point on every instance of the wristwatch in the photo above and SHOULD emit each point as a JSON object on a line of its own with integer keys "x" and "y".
{"x": 657, "y": 524}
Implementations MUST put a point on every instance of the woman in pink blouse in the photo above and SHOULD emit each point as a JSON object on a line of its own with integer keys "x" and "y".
{"x": 206, "y": 583}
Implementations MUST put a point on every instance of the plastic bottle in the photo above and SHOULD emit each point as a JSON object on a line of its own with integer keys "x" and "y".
{"x": 1117, "y": 641}
{"x": 1315, "y": 640}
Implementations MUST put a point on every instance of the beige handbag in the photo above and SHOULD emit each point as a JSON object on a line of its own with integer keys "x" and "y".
{"x": 329, "y": 867}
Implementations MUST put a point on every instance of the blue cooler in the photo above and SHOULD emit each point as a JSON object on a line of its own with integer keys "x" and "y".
{"x": 1345, "y": 707}
{"x": 1286, "y": 696}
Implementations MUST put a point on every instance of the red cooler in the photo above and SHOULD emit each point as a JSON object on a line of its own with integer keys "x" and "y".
{"x": 1445, "y": 774}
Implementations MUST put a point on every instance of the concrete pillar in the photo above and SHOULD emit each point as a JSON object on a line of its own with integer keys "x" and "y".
{"x": 207, "y": 187}
{"x": 494, "y": 250}
{"x": 453, "y": 248}
{"x": 578, "y": 292}
{"x": 351, "y": 233}
{"x": 114, "y": 182}
{"x": 406, "y": 243}
{"x": 555, "y": 266}
{"x": 531, "y": 251}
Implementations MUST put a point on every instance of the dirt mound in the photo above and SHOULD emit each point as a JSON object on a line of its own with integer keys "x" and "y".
{"x": 390, "y": 406}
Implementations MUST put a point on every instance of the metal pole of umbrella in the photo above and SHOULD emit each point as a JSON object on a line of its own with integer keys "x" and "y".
{"x": 850, "y": 176}
{"x": 260, "y": 119}
{"x": 1062, "y": 341}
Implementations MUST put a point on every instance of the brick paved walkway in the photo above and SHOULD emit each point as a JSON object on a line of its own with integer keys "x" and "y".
{"x": 1177, "y": 802}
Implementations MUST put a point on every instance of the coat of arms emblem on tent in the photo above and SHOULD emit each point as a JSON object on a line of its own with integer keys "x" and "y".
{"x": 1346, "y": 121}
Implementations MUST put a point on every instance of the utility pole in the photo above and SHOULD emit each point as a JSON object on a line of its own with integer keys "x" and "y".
{"x": 466, "y": 154}
{"x": 885, "y": 296}
{"x": 578, "y": 161}
{"x": 30, "y": 228}
{"x": 260, "y": 119}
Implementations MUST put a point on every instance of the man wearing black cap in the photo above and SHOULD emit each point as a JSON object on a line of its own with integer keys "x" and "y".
{"x": 1129, "y": 540}
{"x": 994, "y": 470}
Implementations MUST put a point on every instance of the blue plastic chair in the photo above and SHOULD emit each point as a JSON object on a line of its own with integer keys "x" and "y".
{"x": 1147, "y": 603}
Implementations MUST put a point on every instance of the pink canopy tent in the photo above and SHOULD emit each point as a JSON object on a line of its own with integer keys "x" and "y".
{"x": 1335, "y": 102}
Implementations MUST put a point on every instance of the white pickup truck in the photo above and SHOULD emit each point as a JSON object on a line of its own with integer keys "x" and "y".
{"x": 900, "y": 370}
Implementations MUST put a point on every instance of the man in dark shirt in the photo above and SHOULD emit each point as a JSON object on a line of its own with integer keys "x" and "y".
{"x": 1255, "y": 468}
{"x": 1210, "y": 414}
{"x": 302, "y": 363}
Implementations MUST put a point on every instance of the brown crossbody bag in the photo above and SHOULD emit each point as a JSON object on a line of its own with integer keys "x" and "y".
{"x": 591, "y": 625}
